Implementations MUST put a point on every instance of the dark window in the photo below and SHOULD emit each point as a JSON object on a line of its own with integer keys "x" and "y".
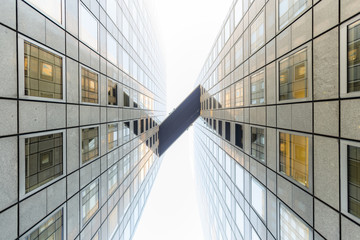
{"x": 142, "y": 125}
{"x": 112, "y": 93}
{"x": 214, "y": 125}
{"x": 126, "y": 97}
{"x": 258, "y": 143}
{"x": 227, "y": 131}
{"x": 238, "y": 135}
{"x": 220, "y": 128}
{"x": 136, "y": 127}
{"x": 147, "y": 124}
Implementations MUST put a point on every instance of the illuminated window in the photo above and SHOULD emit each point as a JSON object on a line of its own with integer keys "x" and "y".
{"x": 257, "y": 85}
{"x": 293, "y": 76}
{"x": 89, "y": 144}
{"x": 294, "y": 157}
{"x": 289, "y": 10}
{"x": 239, "y": 51}
{"x": 257, "y": 33}
{"x": 112, "y": 136}
{"x": 52, "y": 8}
{"x": 258, "y": 143}
{"x": 112, "y": 178}
{"x": 88, "y": 31}
{"x": 112, "y": 93}
{"x": 43, "y": 75}
{"x": 353, "y": 179}
{"x": 89, "y": 86}
{"x": 353, "y": 68}
{"x": 89, "y": 201}
{"x": 258, "y": 197}
{"x": 291, "y": 227}
{"x": 43, "y": 160}
{"x": 239, "y": 93}
{"x": 51, "y": 228}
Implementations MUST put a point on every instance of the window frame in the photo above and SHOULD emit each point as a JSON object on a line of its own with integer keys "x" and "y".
{"x": 344, "y": 58}
{"x": 80, "y": 88}
{"x": 62, "y": 24}
{"x": 21, "y": 78}
{"x": 80, "y": 146}
{"x": 64, "y": 216}
{"x": 344, "y": 178}
{"x": 310, "y": 157}
{"x": 22, "y": 193}
{"x": 309, "y": 79}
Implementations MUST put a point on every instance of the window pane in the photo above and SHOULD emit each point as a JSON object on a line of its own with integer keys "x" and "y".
{"x": 258, "y": 143}
{"x": 239, "y": 93}
{"x": 112, "y": 93}
{"x": 89, "y": 86}
{"x": 257, "y": 33}
{"x": 240, "y": 177}
{"x": 289, "y": 10}
{"x": 227, "y": 131}
{"x": 111, "y": 9}
{"x": 238, "y": 135}
{"x": 42, "y": 72}
{"x": 238, "y": 12}
{"x": 89, "y": 201}
{"x": 257, "y": 82}
{"x": 354, "y": 57}
{"x": 111, "y": 49}
{"x": 291, "y": 227}
{"x": 90, "y": 143}
{"x": 239, "y": 52}
{"x": 294, "y": 157}
{"x": 258, "y": 199}
{"x": 52, "y": 228}
{"x": 113, "y": 220}
{"x": 88, "y": 28}
{"x": 240, "y": 219}
{"x": 113, "y": 178}
{"x": 227, "y": 97}
{"x": 43, "y": 160}
{"x": 112, "y": 136}
{"x": 293, "y": 76}
{"x": 126, "y": 132}
{"x": 354, "y": 180}
{"x": 53, "y": 8}
{"x": 126, "y": 97}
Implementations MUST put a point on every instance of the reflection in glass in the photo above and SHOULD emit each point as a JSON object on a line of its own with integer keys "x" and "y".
{"x": 353, "y": 81}
{"x": 89, "y": 86}
{"x": 90, "y": 143}
{"x": 258, "y": 199}
{"x": 88, "y": 28}
{"x": 294, "y": 157}
{"x": 89, "y": 201}
{"x": 293, "y": 77}
{"x": 289, "y": 10}
{"x": 112, "y": 136}
{"x": 52, "y": 228}
{"x": 111, "y": 49}
{"x": 291, "y": 227}
{"x": 354, "y": 180}
{"x": 53, "y": 8}
{"x": 257, "y": 33}
{"x": 257, "y": 85}
{"x": 112, "y": 93}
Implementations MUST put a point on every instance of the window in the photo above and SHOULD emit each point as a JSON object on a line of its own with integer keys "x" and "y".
{"x": 111, "y": 47}
{"x": 258, "y": 143}
{"x": 43, "y": 159}
{"x": 126, "y": 165}
{"x": 227, "y": 131}
{"x": 89, "y": 201}
{"x": 136, "y": 127}
{"x": 239, "y": 51}
{"x": 51, "y": 228}
{"x": 227, "y": 63}
{"x": 112, "y": 93}
{"x": 126, "y": 97}
{"x": 89, "y": 86}
{"x": 255, "y": 236}
{"x": 353, "y": 68}
{"x": 135, "y": 99}
{"x": 126, "y": 132}
{"x": 353, "y": 180}
{"x": 240, "y": 219}
{"x": 112, "y": 178}
{"x": 227, "y": 97}
{"x": 43, "y": 72}
{"x": 142, "y": 125}
{"x": 291, "y": 227}
{"x": 88, "y": 31}
{"x": 113, "y": 221}
{"x": 238, "y": 135}
{"x": 112, "y": 136}
{"x": 239, "y": 93}
{"x": 239, "y": 178}
{"x": 289, "y": 10}
{"x": 257, "y": 33}
{"x": 238, "y": 12}
{"x": 258, "y": 198}
{"x": 294, "y": 157}
{"x": 89, "y": 144}
{"x": 257, "y": 82}
{"x": 111, "y": 7}
{"x": 293, "y": 76}
{"x": 220, "y": 128}
{"x": 53, "y": 9}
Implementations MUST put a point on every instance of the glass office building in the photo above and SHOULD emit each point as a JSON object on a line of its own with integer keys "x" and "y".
{"x": 278, "y": 140}
{"x": 81, "y": 99}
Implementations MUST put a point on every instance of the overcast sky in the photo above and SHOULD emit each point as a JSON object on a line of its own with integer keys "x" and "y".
{"x": 186, "y": 30}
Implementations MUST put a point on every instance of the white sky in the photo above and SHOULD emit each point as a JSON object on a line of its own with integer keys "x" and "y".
{"x": 186, "y": 30}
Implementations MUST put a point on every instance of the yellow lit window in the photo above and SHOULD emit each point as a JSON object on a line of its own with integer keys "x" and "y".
{"x": 294, "y": 157}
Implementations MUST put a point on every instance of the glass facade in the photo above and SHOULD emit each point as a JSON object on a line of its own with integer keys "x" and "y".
{"x": 42, "y": 72}
{"x": 258, "y": 143}
{"x": 89, "y": 144}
